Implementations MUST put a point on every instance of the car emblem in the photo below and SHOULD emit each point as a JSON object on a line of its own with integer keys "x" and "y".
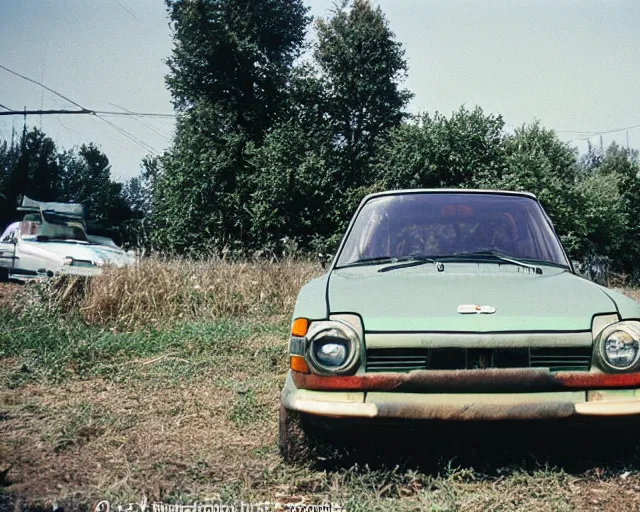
{"x": 475, "y": 309}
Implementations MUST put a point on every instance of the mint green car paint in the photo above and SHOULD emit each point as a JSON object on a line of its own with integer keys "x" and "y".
{"x": 423, "y": 299}
{"x": 311, "y": 302}
{"x": 628, "y": 308}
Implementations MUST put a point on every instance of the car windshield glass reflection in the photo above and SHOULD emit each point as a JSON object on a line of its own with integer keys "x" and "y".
{"x": 62, "y": 227}
{"x": 449, "y": 224}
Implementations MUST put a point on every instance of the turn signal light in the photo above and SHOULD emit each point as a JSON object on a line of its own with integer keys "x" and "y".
{"x": 300, "y": 327}
{"x": 298, "y": 364}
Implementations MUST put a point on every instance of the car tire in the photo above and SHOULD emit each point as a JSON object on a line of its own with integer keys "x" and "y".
{"x": 298, "y": 442}
{"x": 4, "y": 275}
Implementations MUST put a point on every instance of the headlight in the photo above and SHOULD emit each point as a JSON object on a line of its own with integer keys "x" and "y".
{"x": 620, "y": 345}
{"x": 67, "y": 261}
{"x": 330, "y": 347}
{"x": 331, "y": 353}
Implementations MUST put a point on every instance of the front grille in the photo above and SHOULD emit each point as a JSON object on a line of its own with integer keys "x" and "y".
{"x": 404, "y": 360}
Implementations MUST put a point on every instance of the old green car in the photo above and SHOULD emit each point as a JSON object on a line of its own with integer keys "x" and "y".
{"x": 456, "y": 305}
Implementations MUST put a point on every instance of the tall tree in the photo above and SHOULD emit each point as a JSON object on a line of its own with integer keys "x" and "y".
{"x": 237, "y": 55}
{"x": 229, "y": 73}
{"x": 363, "y": 66}
{"x": 38, "y": 174}
{"x": 9, "y": 156}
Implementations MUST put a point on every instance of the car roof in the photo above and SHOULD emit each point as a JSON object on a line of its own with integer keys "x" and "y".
{"x": 448, "y": 191}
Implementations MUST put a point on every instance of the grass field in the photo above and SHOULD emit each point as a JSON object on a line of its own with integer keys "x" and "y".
{"x": 169, "y": 390}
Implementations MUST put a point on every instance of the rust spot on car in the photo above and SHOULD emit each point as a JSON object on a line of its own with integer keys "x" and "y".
{"x": 478, "y": 412}
{"x": 590, "y": 380}
{"x": 475, "y": 381}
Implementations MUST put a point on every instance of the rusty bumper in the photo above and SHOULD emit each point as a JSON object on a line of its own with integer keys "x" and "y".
{"x": 472, "y": 381}
{"x": 407, "y": 396}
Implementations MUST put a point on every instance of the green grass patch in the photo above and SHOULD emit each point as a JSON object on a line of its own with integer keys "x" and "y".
{"x": 50, "y": 347}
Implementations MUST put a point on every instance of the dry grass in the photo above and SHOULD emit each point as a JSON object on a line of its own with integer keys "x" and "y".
{"x": 189, "y": 411}
{"x": 158, "y": 292}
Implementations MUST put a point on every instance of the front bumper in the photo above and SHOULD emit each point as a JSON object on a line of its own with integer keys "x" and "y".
{"x": 398, "y": 402}
{"x": 72, "y": 270}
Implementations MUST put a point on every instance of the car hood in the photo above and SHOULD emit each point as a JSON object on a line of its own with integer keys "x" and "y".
{"x": 86, "y": 252}
{"x": 423, "y": 299}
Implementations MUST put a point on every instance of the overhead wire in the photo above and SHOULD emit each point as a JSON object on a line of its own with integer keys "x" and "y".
{"x": 66, "y": 127}
{"x": 157, "y": 132}
{"x": 116, "y": 1}
{"x": 130, "y": 136}
{"x": 595, "y": 132}
{"x": 44, "y": 86}
{"x": 94, "y": 113}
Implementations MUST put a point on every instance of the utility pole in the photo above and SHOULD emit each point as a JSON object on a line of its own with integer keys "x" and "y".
{"x": 601, "y": 145}
{"x": 23, "y": 162}
{"x": 627, "y": 140}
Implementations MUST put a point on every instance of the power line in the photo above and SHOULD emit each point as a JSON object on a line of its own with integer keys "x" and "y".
{"x": 7, "y": 108}
{"x": 42, "y": 85}
{"x": 145, "y": 124}
{"x": 66, "y": 127}
{"x": 134, "y": 114}
{"x": 592, "y": 133}
{"x": 86, "y": 111}
{"x": 131, "y": 137}
{"x": 82, "y": 111}
{"x": 127, "y": 10}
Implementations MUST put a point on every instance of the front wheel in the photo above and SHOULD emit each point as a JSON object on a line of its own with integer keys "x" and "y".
{"x": 298, "y": 441}
{"x": 4, "y": 275}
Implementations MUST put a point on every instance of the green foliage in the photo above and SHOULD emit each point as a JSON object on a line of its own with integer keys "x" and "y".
{"x": 229, "y": 74}
{"x": 361, "y": 65}
{"x": 294, "y": 193}
{"x": 236, "y": 55}
{"x": 272, "y": 153}
{"x": 611, "y": 188}
{"x": 464, "y": 150}
{"x": 198, "y": 198}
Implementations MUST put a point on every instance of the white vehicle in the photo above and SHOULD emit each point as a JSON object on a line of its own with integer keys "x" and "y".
{"x": 52, "y": 240}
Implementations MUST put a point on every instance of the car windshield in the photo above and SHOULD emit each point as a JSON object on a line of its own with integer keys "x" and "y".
{"x": 448, "y": 224}
{"x": 62, "y": 227}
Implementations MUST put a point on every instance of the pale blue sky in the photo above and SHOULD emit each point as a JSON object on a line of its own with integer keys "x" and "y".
{"x": 572, "y": 64}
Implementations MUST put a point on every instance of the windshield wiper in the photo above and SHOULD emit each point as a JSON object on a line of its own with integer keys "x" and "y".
{"x": 497, "y": 256}
{"x": 408, "y": 261}
{"x": 368, "y": 261}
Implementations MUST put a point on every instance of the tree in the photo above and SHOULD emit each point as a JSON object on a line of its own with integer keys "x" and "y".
{"x": 87, "y": 180}
{"x": 362, "y": 66}
{"x": 9, "y": 156}
{"x": 295, "y": 196}
{"x": 200, "y": 195}
{"x": 229, "y": 73}
{"x": 236, "y": 55}
{"x": 463, "y": 150}
{"x": 38, "y": 163}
